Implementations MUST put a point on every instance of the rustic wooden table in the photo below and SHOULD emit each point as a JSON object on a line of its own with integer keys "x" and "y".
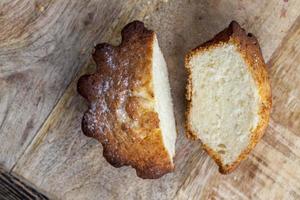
{"x": 46, "y": 45}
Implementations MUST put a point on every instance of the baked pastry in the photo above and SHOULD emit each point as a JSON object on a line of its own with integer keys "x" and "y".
{"x": 228, "y": 95}
{"x": 130, "y": 107}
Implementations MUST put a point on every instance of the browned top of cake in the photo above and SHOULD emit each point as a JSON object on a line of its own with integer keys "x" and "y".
{"x": 121, "y": 112}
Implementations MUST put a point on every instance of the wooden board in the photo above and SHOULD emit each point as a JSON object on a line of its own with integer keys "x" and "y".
{"x": 12, "y": 188}
{"x": 66, "y": 164}
{"x": 43, "y": 44}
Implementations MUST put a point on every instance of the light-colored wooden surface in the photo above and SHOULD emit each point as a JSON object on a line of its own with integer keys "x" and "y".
{"x": 42, "y": 46}
{"x": 46, "y": 46}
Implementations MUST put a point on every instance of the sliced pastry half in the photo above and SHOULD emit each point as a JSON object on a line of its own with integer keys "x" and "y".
{"x": 229, "y": 96}
{"x": 130, "y": 107}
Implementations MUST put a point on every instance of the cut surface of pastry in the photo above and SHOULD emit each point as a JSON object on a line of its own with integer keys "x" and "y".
{"x": 130, "y": 105}
{"x": 229, "y": 96}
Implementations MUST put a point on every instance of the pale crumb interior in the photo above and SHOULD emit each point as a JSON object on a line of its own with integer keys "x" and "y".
{"x": 225, "y": 101}
{"x": 163, "y": 99}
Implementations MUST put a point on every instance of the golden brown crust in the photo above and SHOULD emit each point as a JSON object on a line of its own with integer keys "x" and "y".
{"x": 121, "y": 112}
{"x": 250, "y": 49}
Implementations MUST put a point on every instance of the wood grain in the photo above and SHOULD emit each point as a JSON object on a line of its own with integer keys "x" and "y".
{"x": 42, "y": 45}
{"x": 12, "y": 188}
{"x": 68, "y": 165}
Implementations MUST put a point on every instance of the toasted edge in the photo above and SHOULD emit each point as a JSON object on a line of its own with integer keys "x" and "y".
{"x": 249, "y": 48}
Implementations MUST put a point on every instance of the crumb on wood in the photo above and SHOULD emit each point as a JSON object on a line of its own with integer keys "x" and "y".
{"x": 40, "y": 8}
{"x": 235, "y": 178}
{"x": 146, "y": 17}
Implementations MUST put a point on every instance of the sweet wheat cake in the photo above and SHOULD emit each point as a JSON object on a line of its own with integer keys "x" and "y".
{"x": 228, "y": 95}
{"x": 130, "y": 107}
